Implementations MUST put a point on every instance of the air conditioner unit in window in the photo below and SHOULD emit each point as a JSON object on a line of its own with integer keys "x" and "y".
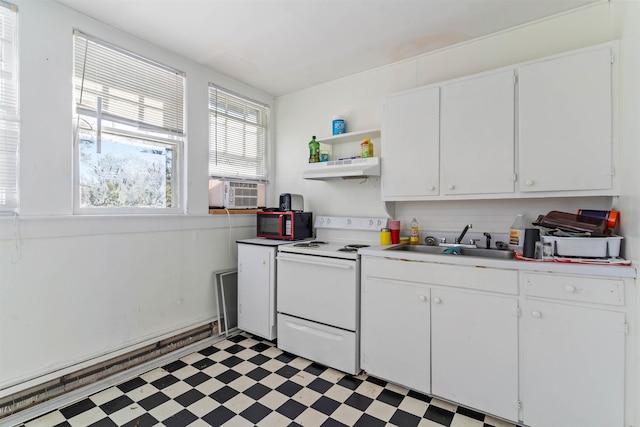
{"x": 235, "y": 194}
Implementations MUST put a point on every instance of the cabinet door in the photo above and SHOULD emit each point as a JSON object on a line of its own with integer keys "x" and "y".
{"x": 395, "y": 332}
{"x": 474, "y": 350}
{"x": 410, "y": 145}
{"x": 573, "y": 366}
{"x": 477, "y": 135}
{"x": 256, "y": 290}
{"x": 565, "y": 114}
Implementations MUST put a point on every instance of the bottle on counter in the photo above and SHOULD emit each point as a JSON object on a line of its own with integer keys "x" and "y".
{"x": 516, "y": 233}
{"x": 414, "y": 233}
{"x": 314, "y": 150}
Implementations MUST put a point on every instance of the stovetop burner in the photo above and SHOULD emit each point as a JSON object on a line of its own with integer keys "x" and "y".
{"x": 352, "y": 248}
{"x": 312, "y": 244}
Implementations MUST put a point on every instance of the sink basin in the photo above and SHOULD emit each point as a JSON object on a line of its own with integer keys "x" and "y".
{"x": 477, "y": 252}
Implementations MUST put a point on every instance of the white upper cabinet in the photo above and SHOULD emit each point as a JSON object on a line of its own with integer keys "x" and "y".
{"x": 410, "y": 147}
{"x": 565, "y": 123}
{"x": 477, "y": 121}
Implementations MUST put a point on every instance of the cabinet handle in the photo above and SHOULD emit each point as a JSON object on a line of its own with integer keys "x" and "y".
{"x": 432, "y": 188}
{"x": 536, "y": 314}
{"x": 570, "y": 288}
{"x": 264, "y": 262}
{"x": 423, "y": 298}
{"x": 437, "y": 300}
{"x": 529, "y": 182}
{"x": 451, "y": 186}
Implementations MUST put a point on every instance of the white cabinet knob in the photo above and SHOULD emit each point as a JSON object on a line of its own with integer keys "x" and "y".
{"x": 264, "y": 262}
{"x": 529, "y": 182}
{"x": 437, "y": 300}
{"x": 451, "y": 186}
{"x": 423, "y": 298}
{"x": 570, "y": 288}
{"x": 432, "y": 188}
{"x": 536, "y": 314}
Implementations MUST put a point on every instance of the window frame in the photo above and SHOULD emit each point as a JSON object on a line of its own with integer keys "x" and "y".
{"x": 119, "y": 127}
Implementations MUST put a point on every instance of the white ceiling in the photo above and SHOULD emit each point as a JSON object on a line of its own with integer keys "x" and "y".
{"x": 281, "y": 46}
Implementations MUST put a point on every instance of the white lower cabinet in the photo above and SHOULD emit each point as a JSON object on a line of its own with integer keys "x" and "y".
{"x": 574, "y": 361}
{"x": 395, "y": 330}
{"x": 474, "y": 350}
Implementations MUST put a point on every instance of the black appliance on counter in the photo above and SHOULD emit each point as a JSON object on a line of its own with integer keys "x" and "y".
{"x": 284, "y": 225}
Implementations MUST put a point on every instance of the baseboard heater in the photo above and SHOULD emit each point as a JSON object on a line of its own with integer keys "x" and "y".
{"x": 40, "y": 393}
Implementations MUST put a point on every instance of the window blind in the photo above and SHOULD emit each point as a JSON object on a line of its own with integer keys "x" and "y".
{"x": 238, "y": 136}
{"x": 123, "y": 87}
{"x": 9, "y": 110}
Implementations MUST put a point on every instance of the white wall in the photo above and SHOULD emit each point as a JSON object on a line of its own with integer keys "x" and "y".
{"x": 309, "y": 112}
{"x": 76, "y": 287}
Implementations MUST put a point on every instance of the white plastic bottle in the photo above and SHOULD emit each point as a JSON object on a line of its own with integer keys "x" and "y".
{"x": 414, "y": 233}
{"x": 516, "y": 233}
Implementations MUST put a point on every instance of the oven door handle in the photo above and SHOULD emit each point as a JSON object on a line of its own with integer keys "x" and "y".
{"x": 314, "y": 331}
{"x": 325, "y": 263}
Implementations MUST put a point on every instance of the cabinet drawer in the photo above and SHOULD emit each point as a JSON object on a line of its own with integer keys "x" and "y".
{"x": 575, "y": 288}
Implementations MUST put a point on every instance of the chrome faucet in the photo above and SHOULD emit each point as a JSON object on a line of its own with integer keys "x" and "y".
{"x": 466, "y": 228}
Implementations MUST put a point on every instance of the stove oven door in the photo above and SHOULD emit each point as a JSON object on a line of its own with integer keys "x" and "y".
{"x": 319, "y": 289}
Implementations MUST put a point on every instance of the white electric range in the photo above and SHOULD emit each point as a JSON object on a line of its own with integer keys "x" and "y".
{"x": 318, "y": 299}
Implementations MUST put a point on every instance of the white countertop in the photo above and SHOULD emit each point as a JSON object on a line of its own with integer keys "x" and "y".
{"x": 550, "y": 267}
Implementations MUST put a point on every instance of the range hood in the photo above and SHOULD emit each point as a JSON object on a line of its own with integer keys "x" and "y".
{"x": 345, "y": 168}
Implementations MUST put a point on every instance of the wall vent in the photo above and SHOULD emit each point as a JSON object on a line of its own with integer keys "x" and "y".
{"x": 24, "y": 399}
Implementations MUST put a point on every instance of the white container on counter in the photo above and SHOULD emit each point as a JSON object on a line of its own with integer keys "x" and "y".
{"x": 588, "y": 247}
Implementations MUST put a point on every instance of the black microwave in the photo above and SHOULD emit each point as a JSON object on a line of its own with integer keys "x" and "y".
{"x": 284, "y": 225}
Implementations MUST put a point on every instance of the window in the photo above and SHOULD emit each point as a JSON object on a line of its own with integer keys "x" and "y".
{"x": 9, "y": 111}
{"x": 129, "y": 131}
{"x": 238, "y": 137}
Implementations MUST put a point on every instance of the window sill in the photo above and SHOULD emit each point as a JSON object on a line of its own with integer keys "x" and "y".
{"x": 233, "y": 211}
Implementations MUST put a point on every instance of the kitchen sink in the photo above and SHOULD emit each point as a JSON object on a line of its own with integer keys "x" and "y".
{"x": 477, "y": 252}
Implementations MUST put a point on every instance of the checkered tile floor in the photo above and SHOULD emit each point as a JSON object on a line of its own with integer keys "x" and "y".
{"x": 245, "y": 381}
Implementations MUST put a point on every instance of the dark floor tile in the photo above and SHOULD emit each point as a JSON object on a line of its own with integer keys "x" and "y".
{"x": 131, "y": 385}
{"x": 219, "y": 416}
{"x": 228, "y": 376}
{"x": 404, "y": 419}
{"x": 164, "y": 382}
{"x": 325, "y": 405}
{"x": 439, "y": 415}
{"x": 260, "y": 347}
{"x": 332, "y": 423}
{"x": 291, "y": 409}
{"x": 209, "y": 351}
{"x": 259, "y": 359}
{"x": 289, "y": 388}
{"x": 286, "y": 357}
{"x": 116, "y": 404}
{"x": 367, "y": 420}
{"x": 258, "y": 374}
{"x": 181, "y": 419}
{"x": 350, "y": 382}
{"x": 105, "y": 422}
{"x": 235, "y": 349}
{"x": 237, "y": 338}
{"x": 145, "y": 420}
{"x": 419, "y": 396}
{"x": 358, "y": 401}
{"x": 320, "y": 385}
{"x": 153, "y": 401}
{"x": 197, "y": 379}
{"x": 470, "y": 413}
{"x": 63, "y": 424}
{"x": 255, "y": 413}
{"x": 231, "y": 361}
{"x": 390, "y": 397}
{"x": 189, "y": 397}
{"x": 77, "y": 408}
{"x": 315, "y": 369}
{"x": 257, "y": 391}
{"x": 224, "y": 394}
{"x": 287, "y": 371}
{"x": 203, "y": 363}
{"x": 174, "y": 366}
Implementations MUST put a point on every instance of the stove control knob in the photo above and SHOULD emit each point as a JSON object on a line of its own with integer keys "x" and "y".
{"x": 328, "y": 221}
{"x": 370, "y": 222}
{"x": 348, "y": 221}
